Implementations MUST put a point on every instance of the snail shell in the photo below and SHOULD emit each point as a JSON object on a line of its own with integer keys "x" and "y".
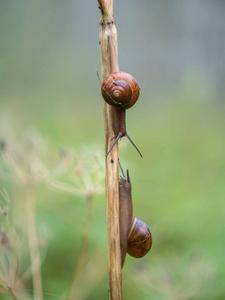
{"x": 120, "y": 89}
{"x": 139, "y": 239}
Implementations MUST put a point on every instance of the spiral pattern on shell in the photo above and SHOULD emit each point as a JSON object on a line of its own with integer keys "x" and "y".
{"x": 139, "y": 239}
{"x": 120, "y": 89}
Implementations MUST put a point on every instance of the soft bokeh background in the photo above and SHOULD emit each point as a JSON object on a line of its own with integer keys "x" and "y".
{"x": 50, "y": 95}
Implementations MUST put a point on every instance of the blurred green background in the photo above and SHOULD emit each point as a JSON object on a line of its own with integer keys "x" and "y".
{"x": 50, "y": 95}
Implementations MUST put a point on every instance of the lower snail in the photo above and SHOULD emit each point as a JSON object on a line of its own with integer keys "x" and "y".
{"x": 135, "y": 236}
{"x": 121, "y": 91}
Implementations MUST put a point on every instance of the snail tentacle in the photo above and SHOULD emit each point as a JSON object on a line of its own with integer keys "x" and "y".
{"x": 114, "y": 143}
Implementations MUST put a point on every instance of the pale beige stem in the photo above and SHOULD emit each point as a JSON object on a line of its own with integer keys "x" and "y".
{"x": 83, "y": 248}
{"x": 33, "y": 244}
{"x": 108, "y": 29}
{"x": 9, "y": 288}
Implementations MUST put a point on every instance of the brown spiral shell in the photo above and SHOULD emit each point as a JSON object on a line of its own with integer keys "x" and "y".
{"x": 120, "y": 89}
{"x": 139, "y": 239}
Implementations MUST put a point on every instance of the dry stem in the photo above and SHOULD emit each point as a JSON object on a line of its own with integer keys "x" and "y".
{"x": 33, "y": 243}
{"x": 9, "y": 288}
{"x": 83, "y": 248}
{"x": 108, "y": 28}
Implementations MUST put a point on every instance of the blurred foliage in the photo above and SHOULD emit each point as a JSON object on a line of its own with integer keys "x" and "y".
{"x": 51, "y": 124}
{"x": 178, "y": 189}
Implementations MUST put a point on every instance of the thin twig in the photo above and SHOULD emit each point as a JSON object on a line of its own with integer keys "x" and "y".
{"x": 95, "y": 280}
{"x": 27, "y": 274}
{"x": 33, "y": 243}
{"x": 9, "y": 288}
{"x": 69, "y": 188}
{"x": 83, "y": 248}
{"x": 5, "y": 211}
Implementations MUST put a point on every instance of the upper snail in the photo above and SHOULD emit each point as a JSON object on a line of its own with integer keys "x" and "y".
{"x": 120, "y": 90}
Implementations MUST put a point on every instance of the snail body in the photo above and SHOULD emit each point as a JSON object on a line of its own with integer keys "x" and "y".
{"x": 121, "y": 91}
{"x": 135, "y": 236}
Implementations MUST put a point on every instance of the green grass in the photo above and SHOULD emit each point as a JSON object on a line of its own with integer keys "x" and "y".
{"x": 178, "y": 189}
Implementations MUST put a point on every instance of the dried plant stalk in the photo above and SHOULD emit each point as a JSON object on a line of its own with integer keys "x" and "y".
{"x": 108, "y": 28}
{"x": 33, "y": 244}
{"x": 9, "y": 288}
{"x": 83, "y": 249}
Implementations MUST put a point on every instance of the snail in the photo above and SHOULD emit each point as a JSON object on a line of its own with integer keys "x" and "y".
{"x": 135, "y": 236}
{"x": 121, "y": 91}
